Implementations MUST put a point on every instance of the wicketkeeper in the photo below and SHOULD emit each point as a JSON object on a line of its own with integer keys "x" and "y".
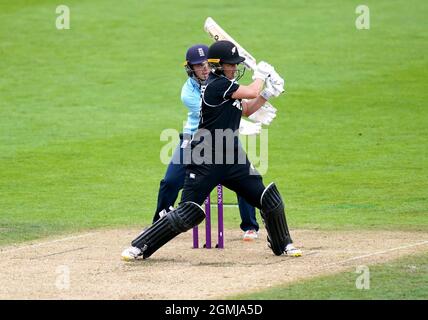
{"x": 215, "y": 162}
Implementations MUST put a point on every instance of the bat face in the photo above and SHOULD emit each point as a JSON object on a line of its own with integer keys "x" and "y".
{"x": 217, "y": 33}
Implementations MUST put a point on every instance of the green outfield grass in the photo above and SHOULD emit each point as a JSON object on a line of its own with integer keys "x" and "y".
{"x": 406, "y": 278}
{"x": 81, "y": 110}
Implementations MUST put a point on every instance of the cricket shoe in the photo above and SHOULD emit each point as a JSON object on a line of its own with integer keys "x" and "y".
{"x": 292, "y": 251}
{"x": 250, "y": 235}
{"x": 131, "y": 253}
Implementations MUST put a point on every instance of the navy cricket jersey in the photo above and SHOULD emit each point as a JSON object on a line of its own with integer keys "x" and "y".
{"x": 219, "y": 111}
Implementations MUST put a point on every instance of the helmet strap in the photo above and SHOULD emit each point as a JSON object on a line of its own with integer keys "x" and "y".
{"x": 191, "y": 73}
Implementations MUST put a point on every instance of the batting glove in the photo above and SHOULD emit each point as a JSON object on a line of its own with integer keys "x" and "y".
{"x": 270, "y": 91}
{"x": 262, "y": 71}
{"x": 276, "y": 81}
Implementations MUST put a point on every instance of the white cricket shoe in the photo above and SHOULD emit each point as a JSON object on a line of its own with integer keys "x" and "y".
{"x": 250, "y": 235}
{"x": 292, "y": 251}
{"x": 131, "y": 253}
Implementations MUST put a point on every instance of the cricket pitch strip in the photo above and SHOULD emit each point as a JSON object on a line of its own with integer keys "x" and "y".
{"x": 88, "y": 266}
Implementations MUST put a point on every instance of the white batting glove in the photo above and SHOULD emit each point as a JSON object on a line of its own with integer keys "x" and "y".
{"x": 276, "y": 79}
{"x": 248, "y": 128}
{"x": 277, "y": 83}
{"x": 262, "y": 71}
{"x": 264, "y": 115}
{"x": 270, "y": 90}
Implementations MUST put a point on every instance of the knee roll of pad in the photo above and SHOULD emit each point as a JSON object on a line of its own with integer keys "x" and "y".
{"x": 185, "y": 217}
{"x": 271, "y": 198}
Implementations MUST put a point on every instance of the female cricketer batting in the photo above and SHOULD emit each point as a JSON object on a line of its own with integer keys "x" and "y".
{"x": 196, "y": 66}
{"x": 218, "y": 158}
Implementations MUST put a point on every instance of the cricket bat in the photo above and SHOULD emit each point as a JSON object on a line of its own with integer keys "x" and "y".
{"x": 217, "y": 33}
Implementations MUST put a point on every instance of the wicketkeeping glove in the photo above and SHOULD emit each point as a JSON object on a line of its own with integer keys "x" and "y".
{"x": 264, "y": 115}
{"x": 248, "y": 128}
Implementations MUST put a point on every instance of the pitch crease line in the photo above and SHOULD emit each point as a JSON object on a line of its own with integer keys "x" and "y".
{"x": 376, "y": 253}
{"x": 49, "y": 242}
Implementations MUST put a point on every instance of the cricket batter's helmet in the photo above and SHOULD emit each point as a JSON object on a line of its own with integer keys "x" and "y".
{"x": 224, "y": 52}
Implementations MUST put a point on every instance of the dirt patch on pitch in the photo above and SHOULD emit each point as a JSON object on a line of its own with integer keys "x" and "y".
{"x": 88, "y": 266}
